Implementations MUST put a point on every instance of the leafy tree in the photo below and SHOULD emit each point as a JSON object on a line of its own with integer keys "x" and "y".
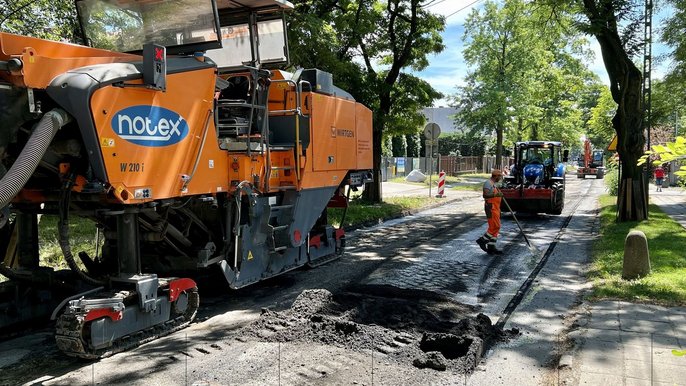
{"x": 671, "y": 151}
{"x": 46, "y": 19}
{"x": 414, "y": 144}
{"x": 468, "y": 143}
{"x": 667, "y": 108}
{"x": 618, "y": 27}
{"x": 495, "y": 46}
{"x": 626, "y": 81}
{"x": 449, "y": 144}
{"x": 399, "y": 145}
{"x": 389, "y": 37}
{"x": 600, "y": 129}
{"x": 673, "y": 35}
{"x": 527, "y": 82}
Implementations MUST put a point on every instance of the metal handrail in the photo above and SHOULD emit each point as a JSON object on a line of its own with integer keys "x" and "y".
{"x": 298, "y": 99}
{"x": 297, "y": 111}
{"x": 187, "y": 180}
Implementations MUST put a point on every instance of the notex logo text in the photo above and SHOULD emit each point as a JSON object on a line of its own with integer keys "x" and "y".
{"x": 152, "y": 126}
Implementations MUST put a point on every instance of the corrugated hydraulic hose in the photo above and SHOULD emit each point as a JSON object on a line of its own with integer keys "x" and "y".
{"x": 30, "y": 156}
{"x": 14, "y": 179}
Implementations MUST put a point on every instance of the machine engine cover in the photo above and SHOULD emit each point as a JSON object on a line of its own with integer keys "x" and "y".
{"x": 533, "y": 173}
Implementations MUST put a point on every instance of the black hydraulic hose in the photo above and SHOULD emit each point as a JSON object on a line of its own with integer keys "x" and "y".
{"x": 30, "y": 156}
{"x": 63, "y": 231}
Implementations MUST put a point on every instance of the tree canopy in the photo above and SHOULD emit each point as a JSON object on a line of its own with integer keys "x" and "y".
{"x": 618, "y": 27}
{"x": 46, "y": 19}
{"x": 372, "y": 46}
{"x": 600, "y": 130}
{"x": 527, "y": 79}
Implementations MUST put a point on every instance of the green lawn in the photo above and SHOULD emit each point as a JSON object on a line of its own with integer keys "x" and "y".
{"x": 81, "y": 238}
{"x": 363, "y": 213}
{"x": 476, "y": 175}
{"x": 666, "y": 241}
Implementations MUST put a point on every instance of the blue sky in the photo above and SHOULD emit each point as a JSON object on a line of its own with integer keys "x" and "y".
{"x": 448, "y": 70}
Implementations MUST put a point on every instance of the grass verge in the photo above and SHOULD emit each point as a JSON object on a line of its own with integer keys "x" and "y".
{"x": 666, "y": 284}
{"x": 81, "y": 238}
{"x": 363, "y": 213}
{"x": 455, "y": 183}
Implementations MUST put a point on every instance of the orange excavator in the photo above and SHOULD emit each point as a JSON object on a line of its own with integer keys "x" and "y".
{"x": 592, "y": 163}
{"x": 175, "y": 133}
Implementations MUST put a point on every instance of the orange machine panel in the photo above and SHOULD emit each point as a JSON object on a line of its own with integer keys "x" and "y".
{"x": 363, "y": 122}
{"x": 43, "y": 60}
{"x": 345, "y": 128}
{"x": 150, "y": 140}
{"x": 323, "y": 133}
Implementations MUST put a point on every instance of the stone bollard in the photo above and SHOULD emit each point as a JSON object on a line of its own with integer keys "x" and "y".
{"x": 636, "y": 258}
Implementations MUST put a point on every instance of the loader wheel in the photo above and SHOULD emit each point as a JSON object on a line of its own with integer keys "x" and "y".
{"x": 557, "y": 209}
{"x": 558, "y": 205}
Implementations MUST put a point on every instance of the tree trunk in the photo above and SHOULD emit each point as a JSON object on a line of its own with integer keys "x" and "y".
{"x": 626, "y": 84}
{"x": 372, "y": 191}
{"x": 402, "y": 53}
{"x": 632, "y": 197}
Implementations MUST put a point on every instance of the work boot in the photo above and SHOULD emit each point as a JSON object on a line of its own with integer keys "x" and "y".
{"x": 492, "y": 250}
{"x": 482, "y": 243}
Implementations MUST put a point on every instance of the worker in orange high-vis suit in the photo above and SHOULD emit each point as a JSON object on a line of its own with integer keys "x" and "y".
{"x": 493, "y": 196}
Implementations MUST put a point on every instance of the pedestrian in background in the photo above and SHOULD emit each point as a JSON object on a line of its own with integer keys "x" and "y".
{"x": 659, "y": 178}
{"x": 492, "y": 197}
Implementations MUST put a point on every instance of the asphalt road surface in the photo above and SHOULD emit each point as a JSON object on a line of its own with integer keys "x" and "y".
{"x": 368, "y": 317}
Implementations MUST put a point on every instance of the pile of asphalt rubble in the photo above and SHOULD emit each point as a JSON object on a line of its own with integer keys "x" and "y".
{"x": 405, "y": 326}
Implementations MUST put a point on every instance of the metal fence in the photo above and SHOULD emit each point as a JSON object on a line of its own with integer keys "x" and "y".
{"x": 393, "y": 167}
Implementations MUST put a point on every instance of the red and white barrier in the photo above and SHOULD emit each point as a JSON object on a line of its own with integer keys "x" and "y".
{"x": 441, "y": 184}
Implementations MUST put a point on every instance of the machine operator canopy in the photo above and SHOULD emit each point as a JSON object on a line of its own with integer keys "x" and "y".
{"x": 234, "y": 33}
{"x": 183, "y": 26}
{"x": 253, "y": 33}
{"x": 254, "y": 4}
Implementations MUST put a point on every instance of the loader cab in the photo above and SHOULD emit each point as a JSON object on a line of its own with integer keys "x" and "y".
{"x": 537, "y": 162}
{"x": 597, "y": 159}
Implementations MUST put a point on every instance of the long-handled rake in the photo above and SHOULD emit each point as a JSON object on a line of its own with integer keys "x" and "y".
{"x": 532, "y": 249}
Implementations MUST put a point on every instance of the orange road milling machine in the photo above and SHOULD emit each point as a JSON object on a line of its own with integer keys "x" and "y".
{"x": 177, "y": 136}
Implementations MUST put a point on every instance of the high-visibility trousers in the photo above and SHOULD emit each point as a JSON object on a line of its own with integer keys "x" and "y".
{"x": 492, "y": 209}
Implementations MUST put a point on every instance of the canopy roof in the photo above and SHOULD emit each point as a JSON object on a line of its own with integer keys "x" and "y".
{"x": 239, "y": 5}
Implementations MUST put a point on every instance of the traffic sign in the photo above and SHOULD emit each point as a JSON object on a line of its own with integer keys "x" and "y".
{"x": 432, "y": 131}
{"x": 613, "y": 145}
